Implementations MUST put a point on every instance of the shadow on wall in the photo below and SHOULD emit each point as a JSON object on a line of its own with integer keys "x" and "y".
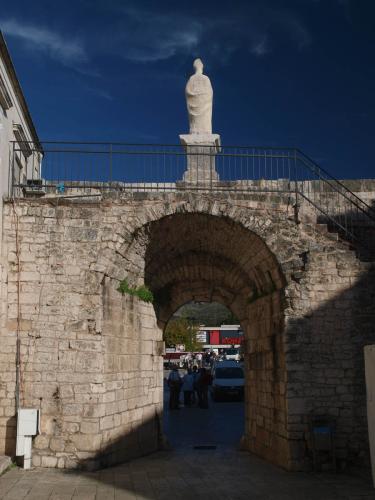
{"x": 10, "y": 436}
{"x": 324, "y": 353}
{"x": 325, "y": 364}
{"x": 360, "y": 225}
{"x": 326, "y": 378}
{"x": 138, "y": 441}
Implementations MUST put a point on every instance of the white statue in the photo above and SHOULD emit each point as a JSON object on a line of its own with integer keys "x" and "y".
{"x": 199, "y": 101}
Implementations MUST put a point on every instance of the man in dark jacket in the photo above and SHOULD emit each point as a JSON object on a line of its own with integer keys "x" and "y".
{"x": 203, "y": 382}
{"x": 174, "y": 383}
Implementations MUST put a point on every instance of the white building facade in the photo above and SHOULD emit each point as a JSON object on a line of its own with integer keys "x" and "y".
{"x": 15, "y": 125}
{"x": 20, "y": 150}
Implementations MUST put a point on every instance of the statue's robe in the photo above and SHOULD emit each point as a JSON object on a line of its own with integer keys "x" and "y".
{"x": 199, "y": 96}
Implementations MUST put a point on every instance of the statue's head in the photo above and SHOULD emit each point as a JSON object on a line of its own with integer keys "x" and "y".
{"x": 198, "y": 66}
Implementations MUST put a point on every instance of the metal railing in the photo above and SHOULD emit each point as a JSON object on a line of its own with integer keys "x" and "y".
{"x": 70, "y": 167}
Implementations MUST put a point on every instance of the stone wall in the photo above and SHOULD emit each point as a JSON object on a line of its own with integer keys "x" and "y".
{"x": 329, "y": 320}
{"x": 266, "y": 431}
{"x": 108, "y": 407}
{"x": 90, "y": 357}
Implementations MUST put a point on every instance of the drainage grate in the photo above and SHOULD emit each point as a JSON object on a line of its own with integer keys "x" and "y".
{"x": 204, "y": 447}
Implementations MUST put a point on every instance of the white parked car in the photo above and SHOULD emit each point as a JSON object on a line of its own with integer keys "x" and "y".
{"x": 232, "y": 354}
{"x": 227, "y": 380}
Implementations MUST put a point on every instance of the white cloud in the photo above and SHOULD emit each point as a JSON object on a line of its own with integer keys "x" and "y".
{"x": 149, "y": 37}
{"x": 102, "y": 93}
{"x": 163, "y": 48}
{"x": 260, "y": 48}
{"x": 64, "y": 49}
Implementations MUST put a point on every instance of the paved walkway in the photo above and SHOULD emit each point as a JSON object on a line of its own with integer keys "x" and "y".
{"x": 221, "y": 425}
{"x": 187, "y": 473}
{"x": 218, "y": 475}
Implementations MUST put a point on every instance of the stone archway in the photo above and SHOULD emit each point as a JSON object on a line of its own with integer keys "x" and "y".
{"x": 206, "y": 258}
{"x": 198, "y": 250}
{"x": 121, "y": 346}
{"x": 93, "y": 362}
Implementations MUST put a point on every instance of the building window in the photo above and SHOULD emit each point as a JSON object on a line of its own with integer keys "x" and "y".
{"x": 24, "y": 144}
{"x": 5, "y": 100}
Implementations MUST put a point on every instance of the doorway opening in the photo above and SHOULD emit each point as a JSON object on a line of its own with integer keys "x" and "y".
{"x": 204, "y": 377}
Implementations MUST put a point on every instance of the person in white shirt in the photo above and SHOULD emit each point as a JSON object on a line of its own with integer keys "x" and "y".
{"x": 198, "y": 357}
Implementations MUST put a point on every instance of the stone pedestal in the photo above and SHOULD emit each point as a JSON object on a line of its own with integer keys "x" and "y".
{"x": 201, "y": 150}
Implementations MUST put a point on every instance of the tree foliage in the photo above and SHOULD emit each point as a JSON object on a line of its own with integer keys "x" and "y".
{"x": 182, "y": 331}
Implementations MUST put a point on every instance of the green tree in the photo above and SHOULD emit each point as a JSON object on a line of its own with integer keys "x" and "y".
{"x": 182, "y": 331}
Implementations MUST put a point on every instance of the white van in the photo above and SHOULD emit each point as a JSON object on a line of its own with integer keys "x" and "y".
{"x": 228, "y": 380}
{"x": 233, "y": 353}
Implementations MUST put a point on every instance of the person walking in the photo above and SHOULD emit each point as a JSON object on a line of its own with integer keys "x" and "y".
{"x": 188, "y": 387}
{"x": 212, "y": 358}
{"x": 195, "y": 376}
{"x": 203, "y": 382}
{"x": 174, "y": 383}
{"x": 189, "y": 360}
{"x": 198, "y": 358}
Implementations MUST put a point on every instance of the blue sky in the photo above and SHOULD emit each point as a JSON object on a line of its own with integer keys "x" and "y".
{"x": 284, "y": 73}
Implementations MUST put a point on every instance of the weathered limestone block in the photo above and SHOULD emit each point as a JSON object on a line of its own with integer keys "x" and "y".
{"x": 41, "y": 442}
{"x": 47, "y": 461}
{"x": 87, "y": 442}
{"x": 57, "y": 444}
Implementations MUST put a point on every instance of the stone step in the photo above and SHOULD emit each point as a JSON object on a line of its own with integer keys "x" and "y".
{"x": 365, "y": 253}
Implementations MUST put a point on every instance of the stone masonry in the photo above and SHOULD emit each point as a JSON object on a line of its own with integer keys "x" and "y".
{"x": 91, "y": 357}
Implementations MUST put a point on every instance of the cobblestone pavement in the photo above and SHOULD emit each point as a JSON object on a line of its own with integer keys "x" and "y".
{"x": 184, "y": 475}
{"x": 188, "y": 473}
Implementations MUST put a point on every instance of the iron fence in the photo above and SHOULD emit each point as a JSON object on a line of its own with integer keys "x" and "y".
{"x": 149, "y": 167}
{"x": 65, "y": 168}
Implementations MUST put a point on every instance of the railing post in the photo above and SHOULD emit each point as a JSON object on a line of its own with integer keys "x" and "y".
{"x": 296, "y": 205}
{"x": 110, "y": 162}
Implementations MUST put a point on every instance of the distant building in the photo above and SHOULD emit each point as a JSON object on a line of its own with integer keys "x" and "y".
{"x": 220, "y": 337}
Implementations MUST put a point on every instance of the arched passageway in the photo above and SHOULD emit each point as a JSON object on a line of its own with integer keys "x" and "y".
{"x": 212, "y": 339}
{"x": 206, "y": 258}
